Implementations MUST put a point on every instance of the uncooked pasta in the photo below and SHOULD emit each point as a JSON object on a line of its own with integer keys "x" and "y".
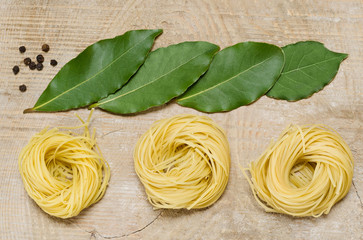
{"x": 64, "y": 172}
{"x": 183, "y": 162}
{"x": 304, "y": 173}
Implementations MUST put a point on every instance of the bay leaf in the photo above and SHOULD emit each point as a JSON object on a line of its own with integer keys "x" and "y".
{"x": 238, "y": 75}
{"x": 309, "y": 67}
{"x": 166, "y": 73}
{"x": 99, "y": 70}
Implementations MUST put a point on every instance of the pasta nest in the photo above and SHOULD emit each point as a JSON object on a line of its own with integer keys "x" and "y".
{"x": 183, "y": 162}
{"x": 304, "y": 173}
{"x": 62, "y": 171}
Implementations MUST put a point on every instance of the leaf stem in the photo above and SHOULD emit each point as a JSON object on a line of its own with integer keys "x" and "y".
{"x": 28, "y": 110}
{"x": 93, "y": 105}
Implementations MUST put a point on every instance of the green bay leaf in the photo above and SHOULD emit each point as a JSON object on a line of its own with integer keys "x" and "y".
{"x": 101, "y": 69}
{"x": 166, "y": 73}
{"x": 238, "y": 75}
{"x": 309, "y": 67}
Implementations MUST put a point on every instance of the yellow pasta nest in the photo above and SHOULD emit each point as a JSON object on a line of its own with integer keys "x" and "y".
{"x": 304, "y": 173}
{"x": 62, "y": 172}
{"x": 183, "y": 162}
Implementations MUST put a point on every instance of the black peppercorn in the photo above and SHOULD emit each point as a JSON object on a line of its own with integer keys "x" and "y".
{"x": 40, "y": 58}
{"x": 22, "y": 88}
{"x": 27, "y": 61}
{"x": 45, "y": 48}
{"x": 32, "y": 65}
{"x": 16, "y": 70}
{"x": 22, "y": 49}
{"x": 39, "y": 66}
{"x": 53, "y": 62}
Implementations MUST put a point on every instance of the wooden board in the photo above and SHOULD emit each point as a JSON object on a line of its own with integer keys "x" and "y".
{"x": 69, "y": 26}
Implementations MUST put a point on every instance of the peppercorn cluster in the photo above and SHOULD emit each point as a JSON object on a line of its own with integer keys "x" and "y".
{"x": 32, "y": 64}
{"x": 39, "y": 60}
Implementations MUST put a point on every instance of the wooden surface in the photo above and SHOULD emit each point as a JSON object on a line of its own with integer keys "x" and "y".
{"x": 69, "y": 26}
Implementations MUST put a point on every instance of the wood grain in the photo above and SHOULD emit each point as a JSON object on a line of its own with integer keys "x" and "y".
{"x": 69, "y": 26}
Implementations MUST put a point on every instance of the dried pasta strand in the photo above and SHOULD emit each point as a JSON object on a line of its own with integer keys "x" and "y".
{"x": 63, "y": 172}
{"x": 304, "y": 173}
{"x": 183, "y": 162}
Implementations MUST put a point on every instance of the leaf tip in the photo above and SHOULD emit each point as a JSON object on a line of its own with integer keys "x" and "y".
{"x": 157, "y": 31}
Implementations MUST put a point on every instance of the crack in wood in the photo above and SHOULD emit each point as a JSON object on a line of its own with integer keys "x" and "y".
{"x": 93, "y": 235}
{"x": 104, "y": 135}
{"x": 356, "y": 191}
{"x": 95, "y": 232}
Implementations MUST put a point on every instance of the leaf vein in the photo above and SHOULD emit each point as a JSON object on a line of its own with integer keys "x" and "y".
{"x": 282, "y": 85}
{"x": 300, "y": 83}
{"x": 310, "y": 65}
{"x": 307, "y": 74}
{"x": 151, "y": 82}
{"x": 227, "y": 80}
